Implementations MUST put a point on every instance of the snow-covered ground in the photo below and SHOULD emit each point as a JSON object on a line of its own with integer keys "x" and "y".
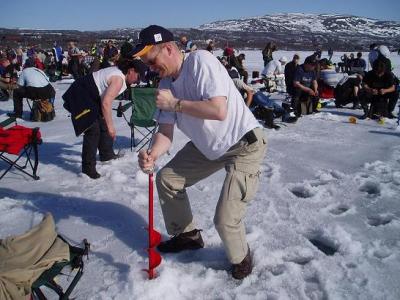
{"x": 325, "y": 223}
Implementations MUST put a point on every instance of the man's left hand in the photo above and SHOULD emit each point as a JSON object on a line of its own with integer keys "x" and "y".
{"x": 165, "y": 100}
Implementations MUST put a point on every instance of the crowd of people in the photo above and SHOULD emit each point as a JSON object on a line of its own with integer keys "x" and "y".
{"x": 211, "y": 100}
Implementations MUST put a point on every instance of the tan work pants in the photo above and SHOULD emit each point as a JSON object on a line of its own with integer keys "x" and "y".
{"x": 189, "y": 166}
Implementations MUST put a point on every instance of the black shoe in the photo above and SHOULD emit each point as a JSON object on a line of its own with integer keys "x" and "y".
{"x": 289, "y": 119}
{"x": 356, "y": 106}
{"x": 91, "y": 173}
{"x": 391, "y": 116}
{"x": 191, "y": 240}
{"x": 375, "y": 117}
{"x": 363, "y": 117}
{"x": 14, "y": 115}
{"x": 338, "y": 105}
{"x": 244, "y": 268}
{"x": 316, "y": 111}
{"x": 115, "y": 156}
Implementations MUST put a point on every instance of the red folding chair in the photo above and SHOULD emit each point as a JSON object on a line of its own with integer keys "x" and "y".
{"x": 19, "y": 149}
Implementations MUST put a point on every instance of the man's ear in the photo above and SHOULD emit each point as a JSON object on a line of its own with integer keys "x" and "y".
{"x": 169, "y": 48}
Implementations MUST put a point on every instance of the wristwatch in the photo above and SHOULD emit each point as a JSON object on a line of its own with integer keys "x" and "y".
{"x": 178, "y": 106}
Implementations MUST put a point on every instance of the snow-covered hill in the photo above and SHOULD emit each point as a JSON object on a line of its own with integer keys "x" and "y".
{"x": 298, "y": 22}
{"x": 306, "y": 31}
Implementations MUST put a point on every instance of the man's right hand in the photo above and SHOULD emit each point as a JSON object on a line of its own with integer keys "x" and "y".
{"x": 112, "y": 132}
{"x": 146, "y": 161}
{"x": 311, "y": 93}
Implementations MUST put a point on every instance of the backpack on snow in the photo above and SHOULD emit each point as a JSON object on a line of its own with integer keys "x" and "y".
{"x": 42, "y": 111}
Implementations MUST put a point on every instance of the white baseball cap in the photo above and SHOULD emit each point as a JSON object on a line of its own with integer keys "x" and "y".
{"x": 283, "y": 59}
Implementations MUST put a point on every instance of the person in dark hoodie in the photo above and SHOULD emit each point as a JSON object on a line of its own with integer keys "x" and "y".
{"x": 379, "y": 83}
{"x": 384, "y": 56}
{"x": 89, "y": 100}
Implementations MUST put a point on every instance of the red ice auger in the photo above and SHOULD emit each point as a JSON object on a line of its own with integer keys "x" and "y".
{"x": 154, "y": 235}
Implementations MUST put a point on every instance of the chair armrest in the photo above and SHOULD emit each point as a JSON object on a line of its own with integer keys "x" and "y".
{"x": 8, "y": 121}
{"x": 125, "y": 107}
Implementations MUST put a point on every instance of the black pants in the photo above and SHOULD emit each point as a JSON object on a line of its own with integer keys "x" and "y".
{"x": 33, "y": 93}
{"x": 393, "y": 97}
{"x": 379, "y": 104}
{"x": 75, "y": 67}
{"x": 96, "y": 137}
{"x": 301, "y": 96}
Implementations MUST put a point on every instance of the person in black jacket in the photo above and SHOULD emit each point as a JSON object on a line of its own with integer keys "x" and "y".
{"x": 89, "y": 100}
{"x": 378, "y": 84}
{"x": 290, "y": 71}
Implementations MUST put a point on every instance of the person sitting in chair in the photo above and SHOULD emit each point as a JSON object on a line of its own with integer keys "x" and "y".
{"x": 305, "y": 84}
{"x": 378, "y": 84}
{"x": 33, "y": 84}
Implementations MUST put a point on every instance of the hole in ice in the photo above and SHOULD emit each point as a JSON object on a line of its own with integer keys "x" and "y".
{"x": 379, "y": 220}
{"x": 302, "y": 192}
{"x": 324, "y": 244}
{"x": 341, "y": 209}
{"x": 372, "y": 188}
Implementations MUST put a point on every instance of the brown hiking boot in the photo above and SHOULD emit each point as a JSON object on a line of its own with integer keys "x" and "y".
{"x": 244, "y": 268}
{"x": 191, "y": 240}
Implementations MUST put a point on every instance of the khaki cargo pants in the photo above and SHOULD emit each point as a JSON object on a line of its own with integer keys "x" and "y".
{"x": 189, "y": 166}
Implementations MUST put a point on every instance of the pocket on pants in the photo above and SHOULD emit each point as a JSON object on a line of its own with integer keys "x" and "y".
{"x": 243, "y": 185}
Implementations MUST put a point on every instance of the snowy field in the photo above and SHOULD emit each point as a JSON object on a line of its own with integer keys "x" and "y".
{"x": 325, "y": 223}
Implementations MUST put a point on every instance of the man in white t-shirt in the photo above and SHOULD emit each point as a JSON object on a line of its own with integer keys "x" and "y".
{"x": 197, "y": 94}
{"x": 33, "y": 84}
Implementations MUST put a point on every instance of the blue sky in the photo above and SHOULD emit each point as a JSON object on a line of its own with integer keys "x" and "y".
{"x": 100, "y": 14}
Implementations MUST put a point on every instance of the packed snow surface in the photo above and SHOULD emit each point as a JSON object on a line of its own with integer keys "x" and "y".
{"x": 325, "y": 223}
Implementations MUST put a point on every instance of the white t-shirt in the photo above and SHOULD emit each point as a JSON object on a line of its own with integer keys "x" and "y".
{"x": 102, "y": 76}
{"x": 33, "y": 77}
{"x": 203, "y": 77}
{"x": 274, "y": 67}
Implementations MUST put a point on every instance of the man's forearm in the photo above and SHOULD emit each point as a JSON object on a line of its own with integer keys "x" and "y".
{"x": 206, "y": 109}
{"x": 160, "y": 146}
{"x": 106, "y": 108}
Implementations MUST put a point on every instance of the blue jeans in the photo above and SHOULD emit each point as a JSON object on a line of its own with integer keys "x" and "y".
{"x": 263, "y": 100}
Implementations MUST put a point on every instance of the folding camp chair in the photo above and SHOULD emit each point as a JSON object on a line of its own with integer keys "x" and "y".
{"x": 34, "y": 259}
{"x": 16, "y": 143}
{"x": 47, "y": 279}
{"x": 143, "y": 109}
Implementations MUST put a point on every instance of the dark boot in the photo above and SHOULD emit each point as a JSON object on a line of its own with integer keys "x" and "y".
{"x": 191, "y": 240}
{"x": 268, "y": 117}
{"x": 287, "y": 107}
{"x": 244, "y": 268}
{"x": 91, "y": 172}
{"x": 114, "y": 156}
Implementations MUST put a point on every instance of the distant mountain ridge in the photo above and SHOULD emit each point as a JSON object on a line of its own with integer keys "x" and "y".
{"x": 297, "y": 30}
{"x": 290, "y": 31}
{"x": 324, "y": 23}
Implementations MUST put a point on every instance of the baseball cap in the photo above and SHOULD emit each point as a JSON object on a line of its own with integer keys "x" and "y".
{"x": 150, "y": 36}
{"x": 310, "y": 60}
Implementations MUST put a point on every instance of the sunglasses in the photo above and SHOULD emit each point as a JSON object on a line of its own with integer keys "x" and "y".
{"x": 152, "y": 61}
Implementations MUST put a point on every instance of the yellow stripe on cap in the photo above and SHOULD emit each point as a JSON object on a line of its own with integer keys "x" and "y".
{"x": 143, "y": 51}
